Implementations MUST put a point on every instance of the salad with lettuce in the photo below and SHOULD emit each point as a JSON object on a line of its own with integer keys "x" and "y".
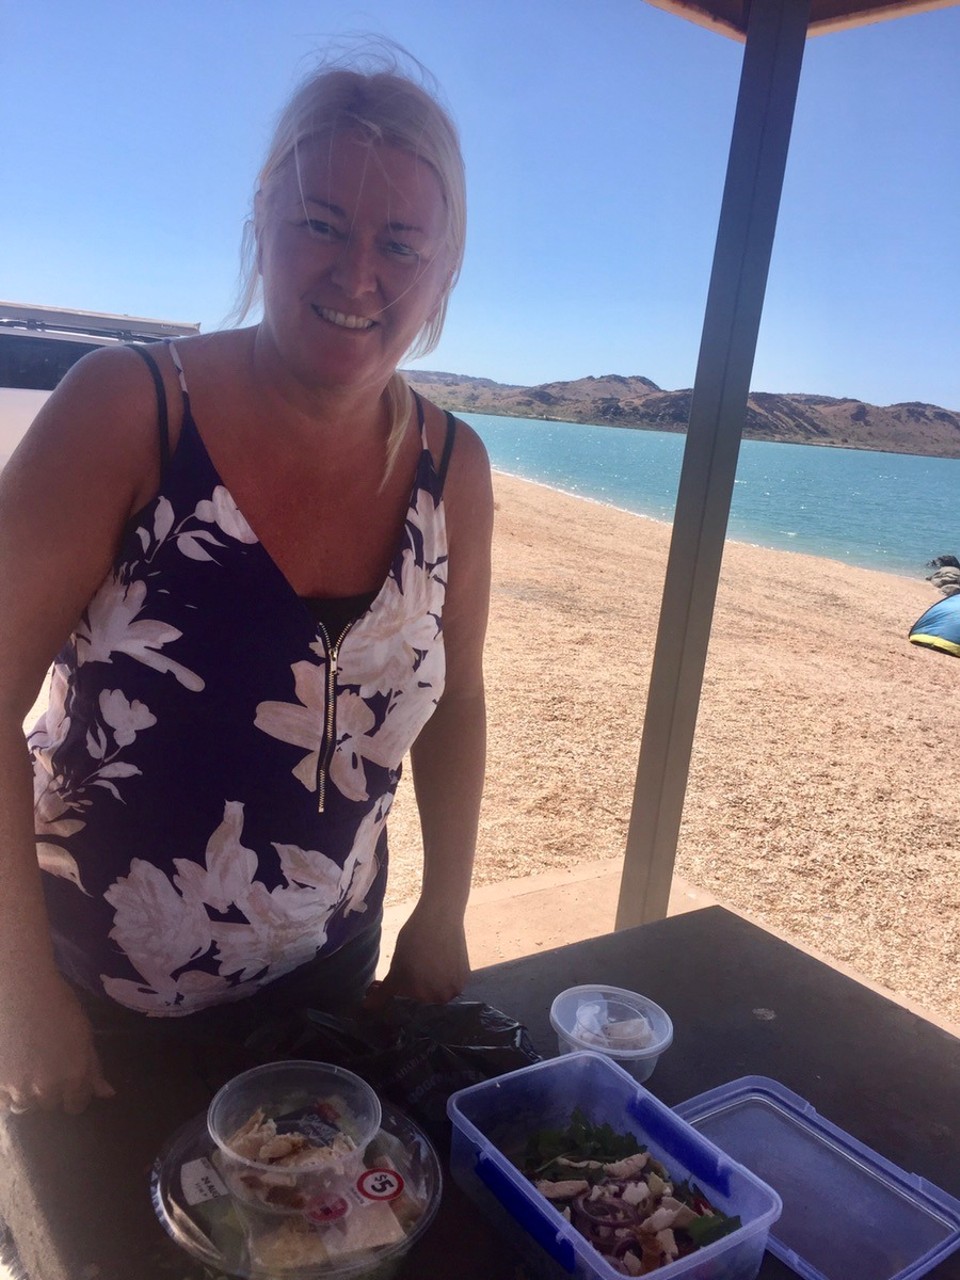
{"x": 620, "y": 1198}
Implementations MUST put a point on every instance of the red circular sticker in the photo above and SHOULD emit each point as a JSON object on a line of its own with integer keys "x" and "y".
{"x": 326, "y": 1209}
{"x": 380, "y": 1184}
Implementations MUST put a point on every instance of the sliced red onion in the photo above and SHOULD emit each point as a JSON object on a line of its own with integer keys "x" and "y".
{"x": 604, "y": 1211}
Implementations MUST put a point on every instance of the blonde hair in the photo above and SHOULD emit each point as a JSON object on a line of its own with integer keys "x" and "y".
{"x": 370, "y": 94}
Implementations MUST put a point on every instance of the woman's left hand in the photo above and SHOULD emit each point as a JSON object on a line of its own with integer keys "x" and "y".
{"x": 429, "y": 964}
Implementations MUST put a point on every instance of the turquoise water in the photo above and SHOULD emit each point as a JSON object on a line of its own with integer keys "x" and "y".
{"x": 880, "y": 510}
{"x": 888, "y": 511}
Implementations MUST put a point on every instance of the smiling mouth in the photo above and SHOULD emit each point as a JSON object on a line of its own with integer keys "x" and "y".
{"x": 343, "y": 321}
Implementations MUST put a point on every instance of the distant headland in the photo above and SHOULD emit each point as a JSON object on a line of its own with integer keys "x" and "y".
{"x": 636, "y": 402}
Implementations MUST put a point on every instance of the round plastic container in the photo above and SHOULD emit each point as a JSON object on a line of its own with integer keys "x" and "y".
{"x": 391, "y": 1201}
{"x": 291, "y": 1137}
{"x": 623, "y": 1025}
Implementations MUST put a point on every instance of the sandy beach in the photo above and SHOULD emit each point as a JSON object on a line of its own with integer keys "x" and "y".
{"x": 824, "y": 780}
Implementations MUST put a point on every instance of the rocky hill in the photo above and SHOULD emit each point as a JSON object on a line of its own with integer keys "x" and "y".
{"x": 618, "y": 401}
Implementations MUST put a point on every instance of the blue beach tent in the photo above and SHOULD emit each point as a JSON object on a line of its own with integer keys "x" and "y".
{"x": 939, "y": 627}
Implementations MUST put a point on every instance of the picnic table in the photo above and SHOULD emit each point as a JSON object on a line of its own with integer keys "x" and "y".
{"x": 743, "y": 1002}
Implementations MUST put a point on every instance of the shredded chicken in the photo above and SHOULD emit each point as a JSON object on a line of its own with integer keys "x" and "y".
{"x": 629, "y": 1167}
{"x": 628, "y": 1209}
{"x": 562, "y": 1190}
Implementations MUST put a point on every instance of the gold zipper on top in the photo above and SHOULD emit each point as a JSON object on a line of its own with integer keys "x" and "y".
{"x": 328, "y": 741}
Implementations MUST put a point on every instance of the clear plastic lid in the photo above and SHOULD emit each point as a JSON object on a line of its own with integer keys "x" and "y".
{"x": 611, "y": 1020}
{"x": 386, "y": 1208}
{"x": 847, "y": 1212}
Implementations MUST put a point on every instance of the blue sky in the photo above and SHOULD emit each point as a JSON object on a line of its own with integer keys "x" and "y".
{"x": 595, "y": 137}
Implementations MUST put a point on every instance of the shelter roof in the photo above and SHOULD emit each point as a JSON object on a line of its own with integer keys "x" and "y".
{"x": 729, "y": 17}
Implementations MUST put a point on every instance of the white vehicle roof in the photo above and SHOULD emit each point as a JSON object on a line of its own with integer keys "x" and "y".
{"x": 39, "y": 344}
{"x": 56, "y": 322}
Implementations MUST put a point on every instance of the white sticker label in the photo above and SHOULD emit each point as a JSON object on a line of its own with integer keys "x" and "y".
{"x": 200, "y": 1181}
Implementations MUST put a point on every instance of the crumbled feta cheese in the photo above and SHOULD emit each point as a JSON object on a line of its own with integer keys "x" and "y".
{"x": 635, "y": 1193}
{"x": 659, "y": 1219}
{"x": 667, "y": 1243}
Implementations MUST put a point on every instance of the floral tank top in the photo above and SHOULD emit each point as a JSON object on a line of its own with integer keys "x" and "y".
{"x": 214, "y": 771}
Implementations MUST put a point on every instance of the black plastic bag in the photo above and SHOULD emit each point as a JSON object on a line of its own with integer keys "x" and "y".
{"x": 415, "y": 1055}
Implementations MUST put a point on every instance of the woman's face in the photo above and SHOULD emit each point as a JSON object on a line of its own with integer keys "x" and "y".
{"x": 351, "y": 250}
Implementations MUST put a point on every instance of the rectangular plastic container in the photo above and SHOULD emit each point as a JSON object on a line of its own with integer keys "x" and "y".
{"x": 492, "y": 1121}
{"x": 847, "y": 1212}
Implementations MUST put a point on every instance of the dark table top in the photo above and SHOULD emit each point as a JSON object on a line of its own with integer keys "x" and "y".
{"x": 74, "y": 1189}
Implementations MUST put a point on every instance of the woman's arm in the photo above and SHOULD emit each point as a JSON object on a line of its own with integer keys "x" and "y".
{"x": 86, "y": 464}
{"x": 430, "y": 961}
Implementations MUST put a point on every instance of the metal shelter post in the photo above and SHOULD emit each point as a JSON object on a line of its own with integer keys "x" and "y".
{"x": 776, "y": 34}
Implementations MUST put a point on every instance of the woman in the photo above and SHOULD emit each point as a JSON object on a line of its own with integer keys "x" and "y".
{"x": 263, "y": 565}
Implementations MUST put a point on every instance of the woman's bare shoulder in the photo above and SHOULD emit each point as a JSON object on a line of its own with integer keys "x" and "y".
{"x": 468, "y": 487}
{"x": 98, "y": 428}
{"x": 216, "y": 356}
{"x": 468, "y": 461}
{"x": 89, "y": 461}
{"x": 112, "y": 386}
{"x": 469, "y": 480}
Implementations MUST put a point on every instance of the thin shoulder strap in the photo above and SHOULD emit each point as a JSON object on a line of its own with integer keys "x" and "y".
{"x": 163, "y": 428}
{"x": 182, "y": 377}
{"x": 421, "y": 426}
{"x": 447, "y": 448}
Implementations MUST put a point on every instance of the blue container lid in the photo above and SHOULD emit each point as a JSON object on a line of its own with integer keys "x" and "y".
{"x": 846, "y": 1210}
